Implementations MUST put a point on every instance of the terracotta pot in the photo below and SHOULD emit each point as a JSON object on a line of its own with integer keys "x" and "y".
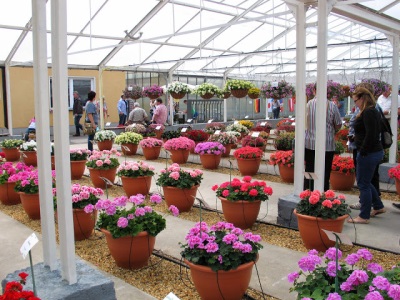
{"x": 239, "y": 93}
{"x": 130, "y": 252}
{"x": 178, "y": 95}
{"x": 228, "y": 148}
{"x": 95, "y": 175}
{"x": 226, "y": 95}
{"x": 311, "y": 233}
{"x": 242, "y": 214}
{"x": 11, "y": 154}
{"x": 29, "y": 158}
{"x": 159, "y": 133}
{"x": 151, "y": 153}
{"x": 31, "y": 205}
{"x": 342, "y": 182}
{"x": 248, "y": 166}
{"x": 136, "y": 185}
{"x": 221, "y": 285}
{"x": 8, "y": 196}
{"x": 397, "y": 182}
{"x": 183, "y": 199}
{"x": 83, "y": 223}
{"x": 53, "y": 162}
{"x": 207, "y": 96}
{"x": 105, "y": 145}
{"x": 132, "y": 149}
{"x": 77, "y": 169}
{"x": 179, "y": 156}
{"x": 286, "y": 173}
{"x": 210, "y": 161}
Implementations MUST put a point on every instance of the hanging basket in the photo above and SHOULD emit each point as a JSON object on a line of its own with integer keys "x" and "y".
{"x": 153, "y": 96}
{"x": 207, "y": 96}
{"x": 239, "y": 93}
{"x": 178, "y": 95}
{"x": 253, "y": 96}
{"x": 226, "y": 95}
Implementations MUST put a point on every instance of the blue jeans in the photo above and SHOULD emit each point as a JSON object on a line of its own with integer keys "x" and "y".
{"x": 122, "y": 119}
{"x": 90, "y": 144}
{"x": 368, "y": 194}
{"x": 78, "y": 126}
{"x": 276, "y": 111}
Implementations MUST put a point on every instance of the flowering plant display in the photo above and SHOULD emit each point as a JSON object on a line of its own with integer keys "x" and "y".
{"x": 128, "y": 138}
{"x": 322, "y": 205}
{"x": 254, "y": 92}
{"x": 152, "y": 90}
{"x": 28, "y": 146}
{"x": 238, "y": 84}
{"x": 339, "y": 148}
{"x": 137, "y": 128}
{"x": 310, "y": 88}
{"x": 133, "y": 92}
{"x": 251, "y": 141}
{"x": 8, "y": 169}
{"x": 221, "y": 246}
{"x": 394, "y": 172}
{"x": 343, "y": 165}
{"x": 379, "y": 86}
{"x": 283, "y": 89}
{"x": 243, "y": 190}
{"x": 180, "y": 143}
{"x": 28, "y": 181}
{"x": 209, "y": 148}
{"x": 103, "y": 160}
{"x": 346, "y": 90}
{"x": 285, "y": 158}
{"x": 334, "y": 89}
{"x": 79, "y": 154}
{"x": 196, "y": 135}
{"x": 224, "y": 138}
{"x": 358, "y": 277}
{"x": 284, "y": 141}
{"x": 14, "y": 290}
{"x": 214, "y": 126}
{"x": 11, "y": 143}
{"x": 103, "y": 135}
{"x": 206, "y": 88}
{"x": 121, "y": 221}
{"x": 135, "y": 169}
{"x": 246, "y": 123}
{"x": 238, "y": 128}
{"x": 150, "y": 143}
{"x": 342, "y": 134}
{"x": 175, "y": 176}
{"x": 167, "y": 135}
{"x": 83, "y": 197}
{"x": 178, "y": 87}
{"x": 262, "y": 126}
{"x": 154, "y": 127}
{"x": 248, "y": 152}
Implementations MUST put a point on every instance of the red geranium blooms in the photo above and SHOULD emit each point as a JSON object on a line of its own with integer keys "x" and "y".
{"x": 394, "y": 172}
{"x": 343, "y": 165}
{"x": 14, "y": 290}
{"x": 248, "y": 152}
{"x": 285, "y": 158}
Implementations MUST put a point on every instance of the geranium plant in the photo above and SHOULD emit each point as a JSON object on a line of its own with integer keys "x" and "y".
{"x": 334, "y": 89}
{"x": 358, "y": 277}
{"x": 209, "y": 148}
{"x": 83, "y": 197}
{"x": 214, "y": 126}
{"x": 196, "y": 135}
{"x": 254, "y": 92}
{"x": 285, "y": 158}
{"x": 281, "y": 89}
{"x": 28, "y": 146}
{"x": 150, "y": 143}
{"x": 137, "y": 128}
{"x": 248, "y": 152}
{"x": 243, "y": 190}
{"x": 253, "y": 141}
{"x": 167, "y": 135}
{"x": 135, "y": 169}
{"x": 206, "y": 88}
{"x": 11, "y": 143}
{"x": 284, "y": 141}
{"x": 394, "y": 172}
{"x": 128, "y": 138}
{"x": 28, "y": 181}
{"x": 79, "y": 154}
{"x": 342, "y": 134}
{"x": 262, "y": 126}
{"x": 224, "y": 138}
{"x": 14, "y": 290}
{"x": 343, "y": 165}
{"x": 155, "y": 127}
{"x": 221, "y": 246}
{"x": 322, "y": 205}
{"x": 180, "y": 143}
{"x": 175, "y": 176}
{"x": 246, "y": 123}
{"x": 8, "y": 169}
{"x": 238, "y": 128}
{"x": 103, "y": 135}
{"x": 103, "y": 160}
{"x": 153, "y": 90}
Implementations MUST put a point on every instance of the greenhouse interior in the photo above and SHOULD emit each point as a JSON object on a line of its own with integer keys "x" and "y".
{"x": 174, "y": 131}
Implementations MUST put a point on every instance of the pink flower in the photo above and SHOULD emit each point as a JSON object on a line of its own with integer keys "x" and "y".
{"x": 174, "y": 210}
{"x": 225, "y": 193}
{"x": 99, "y": 163}
{"x": 156, "y": 198}
{"x": 314, "y": 199}
{"x": 174, "y": 175}
{"x": 327, "y": 203}
{"x": 122, "y": 222}
{"x": 293, "y": 276}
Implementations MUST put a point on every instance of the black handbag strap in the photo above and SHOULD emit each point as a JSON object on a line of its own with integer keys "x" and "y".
{"x": 385, "y": 122}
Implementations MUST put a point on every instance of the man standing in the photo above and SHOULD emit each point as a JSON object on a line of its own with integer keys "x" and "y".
{"x": 160, "y": 113}
{"x": 77, "y": 110}
{"x": 138, "y": 115}
{"x": 385, "y": 102}
{"x": 121, "y": 111}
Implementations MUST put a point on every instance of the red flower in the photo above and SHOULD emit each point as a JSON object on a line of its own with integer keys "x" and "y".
{"x": 23, "y": 275}
{"x": 314, "y": 199}
{"x": 343, "y": 164}
{"x": 285, "y": 158}
{"x": 327, "y": 203}
{"x": 394, "y": 172}
{"x": 253, "y": 192}
{"x": 329, "y": 194}
{"x": 247, "y": 179}
{"x": 214, "y": 187}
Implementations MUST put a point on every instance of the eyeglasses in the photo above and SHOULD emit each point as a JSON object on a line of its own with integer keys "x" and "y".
{"x": 355, "y": 100}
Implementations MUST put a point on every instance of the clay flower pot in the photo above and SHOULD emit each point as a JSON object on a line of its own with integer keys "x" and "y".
{"x": 77, "y": 169}
{"x": 228, "y": 148}
{"x": 11, "y": 154}
{"x": 248, "y": 166}
{"x": 341, "y": 181}
{"x": 286, "y": 173}
{"x": 242, "y": 214}
{"x": 210, "y": 161}
{"x": 29, "y": 158}
{"x": 8, "y": 196}
{"x": 105, "y": 145}
{"x": 83, "y": 223}
{"x": 136, "y": 185}
{"x": 151, "y": 153}
{"x": 31, "y": 205}
{"x": 183, "y": 199}
{"x": 179, "y": 156}
{"x": 129, "y": 149}
{"x": 95, "y": 175}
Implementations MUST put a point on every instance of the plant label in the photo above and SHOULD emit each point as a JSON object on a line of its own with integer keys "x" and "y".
{"x": 158, "y": 127}
{"x": 210, "y": 121}
{"x": 274, "y": 84}
{"x": 184, "y": 129}
{"x": 236, "y": 122}
{"x": 343, "y": 238}
{"x": 171, "y": 296}
{"x": 262, "y": 124}
{"x": 217, "y": 132}
{"x": 246, "y": 117}
{"x": 31, "y": 241}
{"x": 189, "y": 120}
{"x": 255, "y": 134}
{"x": 108, "y": 123}
{"x": 272, "y": 131}
{"x": 293, "y": 124}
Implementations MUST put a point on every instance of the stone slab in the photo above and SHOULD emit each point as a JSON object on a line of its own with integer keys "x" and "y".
{"x": 286, "y": 206}
{"x": 383, "y": 173}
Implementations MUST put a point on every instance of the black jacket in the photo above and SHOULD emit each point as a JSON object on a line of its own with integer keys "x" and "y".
{"x": 77, "y": 109}
{"x": 367, "y": 130}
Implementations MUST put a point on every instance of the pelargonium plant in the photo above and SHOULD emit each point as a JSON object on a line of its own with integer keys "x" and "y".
{"x": 394, "y": 172}
{"x": 28, "y": 146}
{"x": 248, "y": 152}
{"x": 196, "y": 135}
{"x": 334, "y": 89}
{"x": 83, "y": 197}
{"x": 180, "y": 143}
{"x": 103, "y": 160}
{"x": 246, "y": 123}
{"x": 215, "y": 148}
{"x": 11, "y": 143}
{"x": 150, "y": 143}
{"x": 238, "y": 84}
{"x": 79, "y": 154}
{"x": 322, "y": 205}
{"x": 178, "y": 87}
{"x": 251, "y": 141}
{"x": 212, "y": 127}
{"x": 155, "y": 127}
{"x": 243, "y": 190}
{"x": 137, "y": 128}
{"x": 206, "y": 88}
{"x": 128, "y": 138}
{"x": 175, "y": 176}
{"x": 342, "y": 134}
{"x": 238, "y": 128}
{"x": 285, "y": 158}
{"x": 343, "y": 165}
{"x": 224, "y": 138}
{"x": 283, "y": 89}
{"x": 358, "y": 277}
{"x": 28, "y": 181}
{"x": 152, "y": 90}
{"x": 104, "y": 135}
{"x": 135, "y": 169}
{"x": 14, "y": 290}
{"x": 262, "y": 126}
{"x": 221, "y": 246}
{"x": 133, "y": 92}
{"x": 8, "y": 169}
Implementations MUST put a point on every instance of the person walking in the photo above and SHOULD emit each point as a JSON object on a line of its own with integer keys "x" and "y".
{"x": 160, "y": 113}
{"x": 276, "y": 108}
{"x": 138, "y": 115}
{"x": 369, "y": 153}
{"x": 121, "y": 106}
{"x": 333, "y": 123}
{"x": 91, "y": 116}
{"x": 77, "y": 110}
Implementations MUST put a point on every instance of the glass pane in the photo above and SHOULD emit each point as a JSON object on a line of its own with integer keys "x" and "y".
{"x": 83, "y": 87}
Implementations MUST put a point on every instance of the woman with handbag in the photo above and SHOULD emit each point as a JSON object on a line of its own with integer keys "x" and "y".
{"x": 91, "y": 119}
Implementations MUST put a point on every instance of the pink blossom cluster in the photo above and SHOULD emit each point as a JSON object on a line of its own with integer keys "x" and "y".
{"x": 175, "y": 172}
{"x": 215, "y": 148}
{"x": 150, "y": 142}
{"x": 315, "y": 196}
{"x": 101, "y": 158}
{"x": 135, "y": 166}
{"x": 180, "y": 143}
{"x": 79, "y": 154}
{"x": 8, "y": 169}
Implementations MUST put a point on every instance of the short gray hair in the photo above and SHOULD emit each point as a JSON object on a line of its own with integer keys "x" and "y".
{"x": 136, "y": 104}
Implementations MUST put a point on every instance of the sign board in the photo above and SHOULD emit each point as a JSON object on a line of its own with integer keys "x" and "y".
{"x": 184, "y": 129}
{"x": 255, "y": 134}
{"x": 262, "y": 123}
{"x": 210, "y": 121}
{"x": 108, "y": 123}
{"x": 189, "y": 120}
{"x": 31, "y": 241}
{"x": 246, "y": 117}
{"x": 344, "y": 239}
{"x": 158, "y": 127}
{"x": 171, "y": 296}
{"x": 272, "y": 131}
{"x": 310, "y": 175}
{"x": 236, "y": 122}
{"x": 217, "y": 132}
{"x": 293, "y": 124}
{"x": 274, "y": 84}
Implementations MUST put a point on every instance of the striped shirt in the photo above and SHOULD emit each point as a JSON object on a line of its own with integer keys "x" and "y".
{"x": 333, "y": 119}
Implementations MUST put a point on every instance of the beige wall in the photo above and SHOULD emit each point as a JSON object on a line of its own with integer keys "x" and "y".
{"x": 22, "y": 93}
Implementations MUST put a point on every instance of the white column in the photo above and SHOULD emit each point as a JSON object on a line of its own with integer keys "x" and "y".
{"x": 61, "y": 135}
{"x": 395, "y": 88}
{"x": 100, "y": 97}
{"x": 41, "y": 89}
{"x": 171, "y": 102}
{"x": 8, "y": 93}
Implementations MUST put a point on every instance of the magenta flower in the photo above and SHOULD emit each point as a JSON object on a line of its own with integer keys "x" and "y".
{"x": 375, "y": 295}
{"x": 381, "y": 283}
{"x": 122, "y": 222}
{"x": 174, "y": 210}
{"x": 293, "y": 276}
{"x": 156, "y": 198}
{"x": 394, "y": 291}
{"x": 334, "y": 296}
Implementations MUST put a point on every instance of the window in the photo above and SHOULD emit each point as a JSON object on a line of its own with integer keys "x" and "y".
{"x": 83, "y": 85}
